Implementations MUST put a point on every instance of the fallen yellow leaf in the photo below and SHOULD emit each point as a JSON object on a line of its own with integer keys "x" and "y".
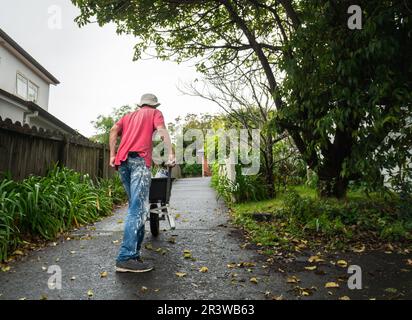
{"x": 390, "y": 247}
{"x": 344, "y": 298}
{"x": 254, "y": 280}
{"x": 181, "y": 274}
{"x": 90, "y": 293}
{"x": 304, "y": 293}
{"x": 249, "y": 264}
{"x": 18, "y": 252}
{"x": 187, "y": 254}
{"x": 5, "y": 268}
{"x": 292, "y": 279}
{"x": 314, "y": 259}
{"x": 342, "y": 263}
{"x": 359, "y": 249}
{"x": 331, "y": 285}
{"x": 311, "y": 268}
{"x": 246, "y": 264}
{"x": 204, "y": 269}
{"x": 231, "y": 265}
{"x": 103, "y": 274}
{"x": 143, "y": 289}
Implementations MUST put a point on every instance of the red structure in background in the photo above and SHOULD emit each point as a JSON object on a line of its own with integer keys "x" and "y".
{"x": 205, "y": 168}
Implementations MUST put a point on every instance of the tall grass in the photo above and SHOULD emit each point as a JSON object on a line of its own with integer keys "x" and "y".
{"x": 43, "y": 207}
{"x": 10, "y": 212}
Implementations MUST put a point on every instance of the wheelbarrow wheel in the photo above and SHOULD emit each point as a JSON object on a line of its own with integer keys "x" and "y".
{"x": 154, "y": 222}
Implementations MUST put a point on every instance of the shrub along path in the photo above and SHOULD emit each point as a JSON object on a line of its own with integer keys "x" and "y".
{"x": 205, "y": 258}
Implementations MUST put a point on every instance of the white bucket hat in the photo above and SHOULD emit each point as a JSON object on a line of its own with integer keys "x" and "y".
{"x": 149, "y": 99}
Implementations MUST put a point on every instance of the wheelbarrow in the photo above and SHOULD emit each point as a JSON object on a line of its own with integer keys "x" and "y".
{"x": 159, "y": 196}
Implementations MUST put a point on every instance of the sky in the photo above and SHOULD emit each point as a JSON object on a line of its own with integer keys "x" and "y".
{"x": 94, "y": 65}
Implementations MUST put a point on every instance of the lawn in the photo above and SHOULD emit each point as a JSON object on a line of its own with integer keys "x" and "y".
{"x": 297, "y": 219}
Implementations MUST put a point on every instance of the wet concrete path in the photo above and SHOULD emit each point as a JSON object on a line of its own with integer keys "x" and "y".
{"x": 201, "y": 228}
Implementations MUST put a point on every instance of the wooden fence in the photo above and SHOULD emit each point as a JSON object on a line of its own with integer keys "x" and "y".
{"x": 28, "y": 151}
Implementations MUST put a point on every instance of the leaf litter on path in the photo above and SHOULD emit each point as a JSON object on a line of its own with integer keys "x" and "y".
{"x": 181, "y": 274}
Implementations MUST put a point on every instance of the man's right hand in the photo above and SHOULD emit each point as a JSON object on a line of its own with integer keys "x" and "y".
{"x": 171, "y": 162}
{"x": 111, "y": 162}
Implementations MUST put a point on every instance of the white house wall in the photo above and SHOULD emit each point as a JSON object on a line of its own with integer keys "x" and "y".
{"x": 11, "y": 111}
{"x": 9, "y": 66}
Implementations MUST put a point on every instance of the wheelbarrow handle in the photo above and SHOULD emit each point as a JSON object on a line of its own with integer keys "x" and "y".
{"x": 169, "y": 181}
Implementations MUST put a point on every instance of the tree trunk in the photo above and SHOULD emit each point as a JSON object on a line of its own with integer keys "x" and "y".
{"x": 331, "y": 183}
{"x": 270, "y": 182}
{"x": 335, "y": 187}
{"x": 269, "y": 176}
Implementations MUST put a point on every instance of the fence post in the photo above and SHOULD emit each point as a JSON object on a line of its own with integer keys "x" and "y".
{"x": 102, "y": 152}
{"x": 11, "y": 151}
{"x": 64, "y": 152}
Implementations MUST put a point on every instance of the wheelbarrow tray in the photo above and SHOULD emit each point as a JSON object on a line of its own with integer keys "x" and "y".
{"x": 160, "y": 190}
{"x": 159, "y": 196}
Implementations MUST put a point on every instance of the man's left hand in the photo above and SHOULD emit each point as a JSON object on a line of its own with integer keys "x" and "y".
{"x": 112, "y": 159}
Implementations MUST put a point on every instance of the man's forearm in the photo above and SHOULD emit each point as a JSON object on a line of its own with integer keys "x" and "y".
{"x": 164, "y": 135}
{"x": 112, "y": 142}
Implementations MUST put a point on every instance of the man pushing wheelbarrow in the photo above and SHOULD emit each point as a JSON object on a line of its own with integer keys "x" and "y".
{"x": 133, "y": 161}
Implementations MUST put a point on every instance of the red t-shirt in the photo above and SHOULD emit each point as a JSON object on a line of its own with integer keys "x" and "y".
{"x": 137, "y": 130}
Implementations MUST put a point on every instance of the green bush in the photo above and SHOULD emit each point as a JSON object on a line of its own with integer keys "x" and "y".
{"x": 244, "y": 189}
{"x": 43, "y": 207}
{"x": 114, "y": 189}
{"x": 192, "y": 170}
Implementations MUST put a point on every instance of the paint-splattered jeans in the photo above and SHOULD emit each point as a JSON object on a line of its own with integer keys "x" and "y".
{"x": 136, "y": 178}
